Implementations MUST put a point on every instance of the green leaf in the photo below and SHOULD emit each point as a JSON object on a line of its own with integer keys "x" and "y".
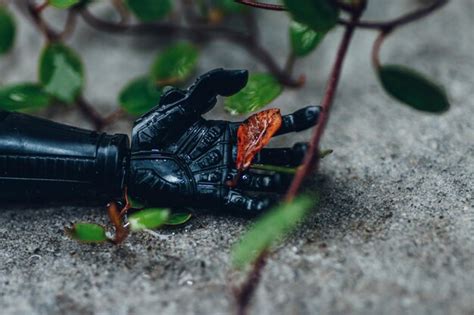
{"x": 261, "y": 89}
{"x": 23, "y": 96}
{"x": 7, "y": 30}
{"x": 148, "y": 219}
{"x": 87, "y": 232}
{"x": 320, "y": 15}
{"x": 413, "y": 89}
{"x": 178, "y": 218}
{"x": 229, "y": 6}
{"x": 149, "y": 10}
{"x": 175, "y": 64}
{"x": 269, "y": 229}
{"x": 61, "y": 72}
{"x": 139, "y": 96}
{"x": 63, "y": 4}
{"x": 303, "y": 39}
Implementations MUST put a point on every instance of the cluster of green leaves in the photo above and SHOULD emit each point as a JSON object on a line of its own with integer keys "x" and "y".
{"x": 312, "y": 21}
{"x": 60, "y": 79}
{"x": 61, "y": 76}
{"x": 263, "y": 88}
{"x": 305, "y": 37}
{"x": 61, "y": 73}
{"x": 173, "y": 66}
{"x": 152, "y": 218}
{"x": 316, "y": 17}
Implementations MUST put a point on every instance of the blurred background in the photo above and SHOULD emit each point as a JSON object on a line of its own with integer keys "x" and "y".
{"x": 394, "y": 232}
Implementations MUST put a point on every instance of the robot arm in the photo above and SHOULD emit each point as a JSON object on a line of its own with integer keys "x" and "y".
{"x": 177, "y": 158}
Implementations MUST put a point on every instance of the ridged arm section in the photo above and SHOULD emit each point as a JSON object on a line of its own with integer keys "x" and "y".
{"x": 43, "y": 160}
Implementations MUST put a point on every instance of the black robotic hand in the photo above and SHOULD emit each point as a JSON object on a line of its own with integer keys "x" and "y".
{"x": 180, "y": 159}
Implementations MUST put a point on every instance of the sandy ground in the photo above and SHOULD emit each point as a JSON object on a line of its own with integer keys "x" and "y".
{"x": 394, "y": 233}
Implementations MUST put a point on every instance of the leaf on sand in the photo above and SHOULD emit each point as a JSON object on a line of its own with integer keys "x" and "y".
{"x": 413, "y": 89}
{"x": 87, "y": 233}
{"x": 178, "y": 218}
{"x": 254, "y": 133}
{"x": 148, "y": 219}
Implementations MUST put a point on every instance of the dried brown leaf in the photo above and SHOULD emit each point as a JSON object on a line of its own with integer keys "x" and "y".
{"x": 254, "y": 133}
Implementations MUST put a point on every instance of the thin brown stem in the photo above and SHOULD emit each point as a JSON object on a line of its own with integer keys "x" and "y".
{"x": 70, "y": 24}
{"x": 116, "y": 217}
{"x": 128, "y": 203}
{"x": 376, "y": 49}
{"x": 122, "y": 11}
{"x": 342, "y": 5}
{"x": 35, "y": 14}
{"x": 40, "y": 8}
{"x": 113, "y": 117}
{"x": 311, "y": 158}
{"x": 51, "y": 36}
{"x": 252, "y": 26}
{"x": 261, "y": 5}
{"x": 89, "y": 111}
{"x": 290, "y": 63}
{"x": 245, "y": 293}
{"x": 190, "y": 16}
{"x": 348, "y": 7}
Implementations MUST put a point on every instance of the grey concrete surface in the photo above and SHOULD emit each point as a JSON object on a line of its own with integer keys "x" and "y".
{"x": 394, "y": 233}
